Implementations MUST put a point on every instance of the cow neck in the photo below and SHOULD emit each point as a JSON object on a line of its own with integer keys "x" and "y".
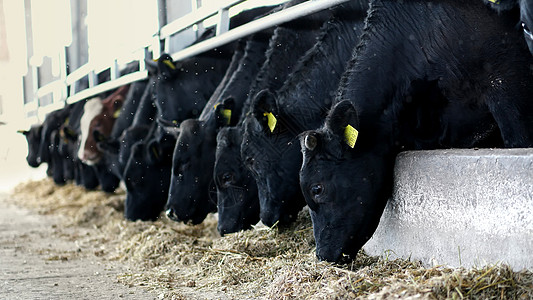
{"x": 215, "y": 97}
{"x": 311, "y": 99}
{"x": 241, "y": 79}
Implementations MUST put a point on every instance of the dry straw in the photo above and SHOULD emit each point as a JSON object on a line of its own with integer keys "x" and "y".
{"x": 179, "y": 261}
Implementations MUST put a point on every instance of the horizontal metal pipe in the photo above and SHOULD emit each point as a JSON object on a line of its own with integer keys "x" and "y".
{"x": 106, "y": 86}
{"x": 277, "y": 18}
{"x": 190, "y": 19}
{"x": 50, "y": 88}
{"x": 274, "y": 19}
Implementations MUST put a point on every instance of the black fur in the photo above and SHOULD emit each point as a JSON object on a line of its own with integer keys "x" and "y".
{"x": 426, "y": 75}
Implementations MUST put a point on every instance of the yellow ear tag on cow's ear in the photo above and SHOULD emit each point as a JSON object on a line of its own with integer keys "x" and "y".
{"x": 495, "y": 1}
{"x": 271, "y": 121}
{"x": 169, "y": 64}
{"x": 117, "y": 113}
{"x": 350, "y": 135}
{"x": 226, "y": 113}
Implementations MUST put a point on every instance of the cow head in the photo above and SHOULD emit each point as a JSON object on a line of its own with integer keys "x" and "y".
{"x": 526, "y": 18}
{"x": 178, "y": 94}
{"x": 345, "y": 188}
{"x": 191, "y": 185}
{"x": 33, "y": 138}
{"x": 270, "y": 151}
{"x": 192, "y": 190}
{"x": 237, "y": 202}
{"x": 97, "y": 122}
{"x": 146, "y": 176}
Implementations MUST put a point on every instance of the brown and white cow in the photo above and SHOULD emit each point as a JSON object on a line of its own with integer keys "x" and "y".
{"x": 97, "y": 122}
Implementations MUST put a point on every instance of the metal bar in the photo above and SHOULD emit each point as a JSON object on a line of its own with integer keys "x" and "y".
{"x": 50, "y": 88}
{"x": 93, "y": 79}
{"x": 223, "y": 21}
{"x": 78, "y": 74}
{"x": 277, "y": 18}
{"x": 106, "y": 86}
{"x": 166, "y": 31}
{"x": 190, "y": 19}
{"x": 114, "y": 71}
{"x": 42, "y": 111}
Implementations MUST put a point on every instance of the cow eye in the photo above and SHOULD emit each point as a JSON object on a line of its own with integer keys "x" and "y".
{"x": 226, "y": 179}
{"x": 249, "y": 161}
{"x": 316, "y": 190}
{"x": 310, "y": 142}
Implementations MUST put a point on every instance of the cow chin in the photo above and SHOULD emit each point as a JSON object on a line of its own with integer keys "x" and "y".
{"x": 92, "y": 161}
{"x": 338, "y": 244}
{"x": 278, "y": 205}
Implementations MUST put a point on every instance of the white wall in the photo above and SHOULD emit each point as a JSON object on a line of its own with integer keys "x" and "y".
{"x": 13, "y": 149}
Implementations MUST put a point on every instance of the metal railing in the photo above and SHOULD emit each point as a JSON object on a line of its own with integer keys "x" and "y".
{"x": 160, "y": 41}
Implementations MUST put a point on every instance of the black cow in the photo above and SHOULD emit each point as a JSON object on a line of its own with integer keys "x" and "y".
{"x": 181, "y": 90}
{"x": 111, "y": 145}
{"x": 49, "y": 145}
{"x": 269, "y": 147}
{"x": 33, "y": 138}
{"x": 68, "y": 147}
{"x": 526, "y": 15}
{"x": 426, "y": 75}
{"x": 237, "y": 202}
{"x": 191, "y": 195}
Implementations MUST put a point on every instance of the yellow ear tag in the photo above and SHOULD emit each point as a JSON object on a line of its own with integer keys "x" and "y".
{"x": 350, "y": 135}
{"x": 169, "y": 64}
{"x": 117, "y": 113}
{"x": 271, "y": 121}
{"x": 155, "y": 152}
{"x": 227, "y": 115}
{"x": 495, "y": 1}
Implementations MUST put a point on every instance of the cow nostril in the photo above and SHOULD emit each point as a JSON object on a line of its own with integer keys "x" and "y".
{"x": 171, "y": 214}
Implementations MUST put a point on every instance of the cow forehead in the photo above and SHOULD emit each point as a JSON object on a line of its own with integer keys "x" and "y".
{"x": 91, "y": 109}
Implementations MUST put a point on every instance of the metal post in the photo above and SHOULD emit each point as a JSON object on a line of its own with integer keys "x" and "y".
{"x": 163, "y": 20}
{"x": 223, "y": 21}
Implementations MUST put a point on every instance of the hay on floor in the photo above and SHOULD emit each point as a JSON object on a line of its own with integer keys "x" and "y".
{"x": 179, "y": 261}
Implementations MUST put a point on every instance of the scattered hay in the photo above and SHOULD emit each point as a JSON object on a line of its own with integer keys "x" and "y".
{"x": 178, "y": 261}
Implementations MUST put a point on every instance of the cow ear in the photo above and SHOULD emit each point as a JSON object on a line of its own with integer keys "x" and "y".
{"x": 166, "y": 65}
{"x": 343, "y": 122}
{"x": 265, "y": 110}
{"x": 153, "y": 152}
{"x": 224, "y": 112}
{"x": 151, "y": 66}
{"x": 69, "y": 134}
{"x": 24, "y": 132}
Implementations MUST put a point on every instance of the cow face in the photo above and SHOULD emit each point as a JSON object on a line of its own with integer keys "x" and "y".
{"x": 237, "y": 201}
{"x": 345, "y": 188}
{"x": 191, "y": 184}
{"x": 526, "y": 17}
{"x": 33, "y": 138}
{"x": 92, "y": 108}
{"x": 270, "y": 151}
{"x": 146, "y": 177}
{"x": 182, "y": 88}
{"x": 97, "y": 122}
